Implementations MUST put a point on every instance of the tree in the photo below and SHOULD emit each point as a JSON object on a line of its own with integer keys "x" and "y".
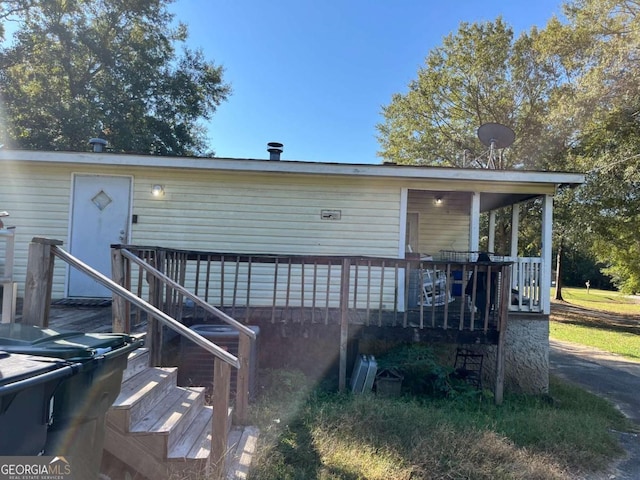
{"x": 598, "y": 49}
{"x": 479, "y": 75}
{"x": 10, "y": 9}
{"x": 95, "y": 68}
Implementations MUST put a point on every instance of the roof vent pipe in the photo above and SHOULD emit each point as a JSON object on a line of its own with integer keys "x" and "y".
{"x": 275, "y": 149}
{"x": 98, "y": 144}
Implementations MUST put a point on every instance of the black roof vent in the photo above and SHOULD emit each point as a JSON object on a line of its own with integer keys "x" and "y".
{"x": 275, "y": 149}
{"x": 98, "y": 144}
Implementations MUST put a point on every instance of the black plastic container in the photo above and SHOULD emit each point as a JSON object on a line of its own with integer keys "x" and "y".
{"x": 27, "y": 384}
{"x": 80, "y": 403}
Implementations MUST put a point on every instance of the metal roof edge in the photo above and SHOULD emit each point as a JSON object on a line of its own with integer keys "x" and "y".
{"x": 294, "y": 167}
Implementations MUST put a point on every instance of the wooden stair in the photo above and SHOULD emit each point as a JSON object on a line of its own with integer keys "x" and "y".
{"x": 159, "y": 429}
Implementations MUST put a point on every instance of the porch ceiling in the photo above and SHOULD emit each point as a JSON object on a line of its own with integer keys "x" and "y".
{"x": 492, "y": 201}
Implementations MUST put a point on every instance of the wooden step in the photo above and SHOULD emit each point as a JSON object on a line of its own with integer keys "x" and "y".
{"x": 139, "y": 393}
{"x": 192, "y": 435}
{"x": 138, "y": 360}
{"x": 168, "y": 419}
{"x": 243, "y": 443}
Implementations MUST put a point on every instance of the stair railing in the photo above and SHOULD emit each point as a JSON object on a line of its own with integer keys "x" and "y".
{"x": 36, "y": 311}
{"x": 246, "y": 335}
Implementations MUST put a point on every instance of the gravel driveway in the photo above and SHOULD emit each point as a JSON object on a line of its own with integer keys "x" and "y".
{"x": 607, "y": 375}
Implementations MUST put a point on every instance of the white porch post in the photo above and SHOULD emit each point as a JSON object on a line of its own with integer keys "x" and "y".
{"x": 492, "y": 231}
{"x": 515, "y": 230}
{"x": 474, "y": 227}
{"x": 545, "y": 269}
{"x": 402, "y": 234}
{"x": 402, "y": 247}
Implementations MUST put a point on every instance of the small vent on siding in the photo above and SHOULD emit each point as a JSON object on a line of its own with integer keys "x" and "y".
{"x": 331, "y": 214}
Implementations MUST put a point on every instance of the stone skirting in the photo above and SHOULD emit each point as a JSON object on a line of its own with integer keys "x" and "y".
{"x": 526, "y": 354}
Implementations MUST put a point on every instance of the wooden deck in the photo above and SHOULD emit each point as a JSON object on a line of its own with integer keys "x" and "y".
{"x": 82, "y": 316}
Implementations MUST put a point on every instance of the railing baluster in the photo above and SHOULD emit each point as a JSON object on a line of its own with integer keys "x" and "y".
{"x": 222, "y": 279}
{"x": 288, "y": 293}
{"x": 422, "y": 294}
{"x": 197, "y": 283}
{"x": 302, "y": 280}
{"x": 327, "y": 303}
{"x": 463, "y": 297}
{"x": 380, "y": 303}
{"x": 434, "y": 282}
{"x": 488, "y": 300}
{"x": 474, "y": 287}
{"x": 368, "y": 292}
{"x": 395, "y": 296}
{"x": 355, "y": 286}
{"x": 207, "y": 280}
{"x": 247, "y": 306}
{"x": 315, "y": 289}
{"x": 447, "y": 292}
{"x": 235, "y": 287}
{"x": 407, "y": 286}
{"x": 275, "y": 291}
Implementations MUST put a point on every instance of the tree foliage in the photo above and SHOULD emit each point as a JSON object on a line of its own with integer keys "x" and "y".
{"x": 479, "y": 75}
{"x": 571, "y": 93}
{"x": 599, "y": 47}
{"x": 78, "y": 69}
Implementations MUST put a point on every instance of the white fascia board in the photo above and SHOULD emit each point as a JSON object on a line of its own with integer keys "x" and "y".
{"x": 295, "y": 167}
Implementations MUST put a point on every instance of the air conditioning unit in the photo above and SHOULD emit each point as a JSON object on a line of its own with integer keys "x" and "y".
{"x": 196, "y": 364}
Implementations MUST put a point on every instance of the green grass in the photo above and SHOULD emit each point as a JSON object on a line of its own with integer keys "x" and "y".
{"x": 605, "y": 320}
{"x": 621, "y": 343}
{"x": 601, "y": 300}
{"x": 307, "y": 433}
{"x": 310, "y": 434}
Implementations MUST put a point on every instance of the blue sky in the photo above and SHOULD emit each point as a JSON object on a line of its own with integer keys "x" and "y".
{"x": 314, "y": 75}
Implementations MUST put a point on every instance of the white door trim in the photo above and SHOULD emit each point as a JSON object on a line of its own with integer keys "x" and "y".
{"x": 70, "y": 231}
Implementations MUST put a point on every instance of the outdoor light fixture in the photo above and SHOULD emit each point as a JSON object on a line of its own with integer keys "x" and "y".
{"x": 157, "y": 190}
{"x": 438, "y": 200}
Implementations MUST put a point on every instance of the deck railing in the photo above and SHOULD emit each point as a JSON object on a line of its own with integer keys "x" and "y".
{"x": 37, "y": 299}
{"x": 370, "y": 291}
{"x": 385, "y": 292}
{"x": 526, "y": 275}
{"x": 7, "y": 281}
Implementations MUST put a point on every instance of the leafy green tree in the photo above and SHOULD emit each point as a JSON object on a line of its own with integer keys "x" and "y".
{"x": 95, "y": 68}
{"x": 9, "y": 9}
{"x": 597, "y": 50}
{"x": 479, "y": 75}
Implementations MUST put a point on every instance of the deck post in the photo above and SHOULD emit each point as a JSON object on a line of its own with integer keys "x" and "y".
{"x": 154, "y": 328}
{"x": 505, "y": 299}
{"x": 9, "y": 287}
{"x": 219, "y": 422}
{"x": 39, "y": 281}
{"x": 344, "y": 322}
{"x": 121, "y": 321}
{"x": 242, "y": 387}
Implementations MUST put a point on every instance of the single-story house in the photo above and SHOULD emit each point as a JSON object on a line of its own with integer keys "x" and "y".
{"x": 291, "y": 209}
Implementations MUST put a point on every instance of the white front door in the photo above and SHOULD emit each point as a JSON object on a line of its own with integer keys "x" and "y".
{"x": 99, "y": 218}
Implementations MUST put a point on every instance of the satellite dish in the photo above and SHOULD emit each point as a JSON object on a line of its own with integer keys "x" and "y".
{"x": 496, "y": 135}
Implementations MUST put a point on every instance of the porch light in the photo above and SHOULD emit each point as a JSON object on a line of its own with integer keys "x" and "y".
{"x": 157, "y": 190}
{"x": 438, "y": 200}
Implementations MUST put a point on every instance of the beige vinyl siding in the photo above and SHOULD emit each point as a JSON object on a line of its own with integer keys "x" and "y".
{"x": 212, "y": 211}
{"x": 37, "y": 199}
{"x": 442, "y": 227}
{"x": 268, "y": 214}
